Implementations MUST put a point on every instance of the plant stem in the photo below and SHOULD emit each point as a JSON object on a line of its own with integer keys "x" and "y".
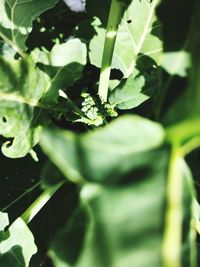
{"x": 21, "y": 196}
{"x": 183, "y": 130}
{"x": 171, "y": 249}
{"x": 114, "y": 19}
{"x": 190, "y": 146}
{"x": 39, "y": 203}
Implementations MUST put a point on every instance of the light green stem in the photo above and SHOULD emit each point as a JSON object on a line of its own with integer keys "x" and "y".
{"x": 171, "y": 249}
{"x": 38, "y": 204}
{"x": 183, "y": 131}
{"x": 114, "y": 19}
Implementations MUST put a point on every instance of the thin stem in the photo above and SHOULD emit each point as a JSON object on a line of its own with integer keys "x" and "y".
{"x": 184, "y": 130}
{"x": 114, "y": 19}
{"x": 21, "y": 196}
{"x": 190, "y": 146}
{"x": 39, "y": 203}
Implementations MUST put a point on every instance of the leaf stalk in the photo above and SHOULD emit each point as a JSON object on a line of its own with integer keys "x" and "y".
{"x": 39, "y": 203}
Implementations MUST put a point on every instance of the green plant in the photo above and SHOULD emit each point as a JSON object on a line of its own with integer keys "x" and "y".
{"x": 106, "y": 114}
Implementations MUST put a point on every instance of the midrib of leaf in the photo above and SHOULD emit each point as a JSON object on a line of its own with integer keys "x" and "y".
{"x": 131, "y": 36}
{"x": 17, "y": 259}
{"x": 12, "y": 42}
{"x": 147, "y": 26}
{"x": 152, "y": 52}
{"x": 21, "y": 100}
{"x": 12, "y": 22}
{"x": 147, "y": 29}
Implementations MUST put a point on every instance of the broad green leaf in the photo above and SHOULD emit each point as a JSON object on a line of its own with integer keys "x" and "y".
{"x": 65, "y": 155}
{"x": 62, "y": 54}
{"x": 17, "y": 17}
{"x": 22, "y": 86}
{"x": 129, "y": 222}
{"x": 139, "y": 86}
{"x": 128, "y": 94}
{"x": 125, "y": 222}
{"x": 64, "y": 64}
{"x": 137, "y": 34}
{"x": 18, "y": 248}
{"x": 28, "y": 93}
{"x": 99, "y": 155}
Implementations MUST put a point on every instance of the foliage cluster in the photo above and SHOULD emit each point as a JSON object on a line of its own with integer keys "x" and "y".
{"x": 100, "y": 133}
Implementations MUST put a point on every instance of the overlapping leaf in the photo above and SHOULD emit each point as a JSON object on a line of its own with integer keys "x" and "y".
{"x": 137, "y": 34}
{"x": 99, "y": 155}
{"x": 125, "y": 223}
{"x": 64, "y": 64}
{"x": 26, "y": 92}
{"x": 121, "y": 224}
{"x": 138, "y": 87}
{"x": 22, "y": 85}
{"x": 17, "y": 17}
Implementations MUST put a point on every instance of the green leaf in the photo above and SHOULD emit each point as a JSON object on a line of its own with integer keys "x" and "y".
{"x": 176, "y": 63}
{"x": 22, "y": 86}
{"x": 27, "y": 94}
{"x": 17, "y": 17}
{"x": 105, "y": 153}
{"x": 125, "y": 221}
{"x": 182, "y": 51}
{"x": 64, "y": 64}
{"x": 128, "y": 94}
{"x": 3, "y": 223}
{"x": 129, "y": 222}
{"x": 139, "y": 86}
{"x": 137, "y": 34}
{"x": 18, "y": 248}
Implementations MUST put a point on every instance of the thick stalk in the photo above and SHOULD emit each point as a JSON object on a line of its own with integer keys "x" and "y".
{"x": 171, "y": 249}
{"x": 38, "y": 204}
{"x": 114, "y": 19}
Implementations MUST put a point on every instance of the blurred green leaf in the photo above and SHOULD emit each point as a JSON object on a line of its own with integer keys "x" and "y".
{"x": 176, "y": 63}
{"x": 125, "y": 222}
{"x": 105, "y": 153}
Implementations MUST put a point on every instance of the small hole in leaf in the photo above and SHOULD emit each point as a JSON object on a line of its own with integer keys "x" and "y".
{"x": 4, "y": 119}
{"x": 129, "y": 21}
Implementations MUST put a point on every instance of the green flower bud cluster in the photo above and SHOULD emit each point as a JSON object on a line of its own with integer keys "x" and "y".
{"x": 95, "y": 111}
